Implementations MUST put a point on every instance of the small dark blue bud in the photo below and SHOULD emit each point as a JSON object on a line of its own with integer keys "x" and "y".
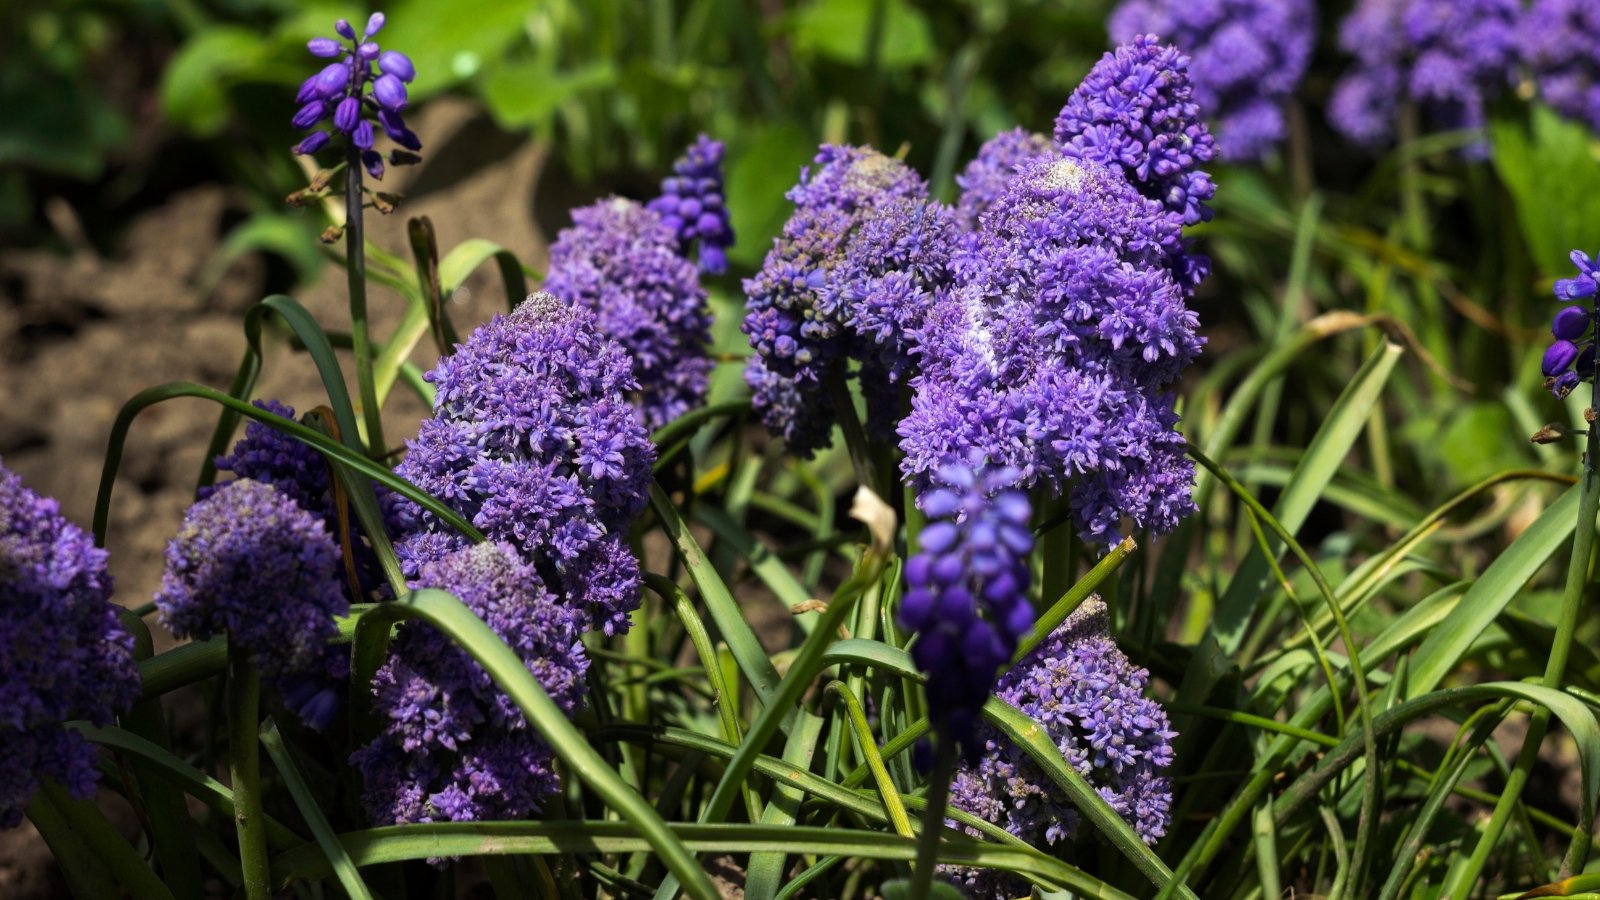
{"x": 395, "y": 63}
{"x": 1558, "y": 358}
{"x": 1570, "y": 323}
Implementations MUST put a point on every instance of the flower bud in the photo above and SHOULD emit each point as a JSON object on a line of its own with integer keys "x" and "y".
{"x": 343, "y": 27}
{"x": 323, "y": 47}
{"x": 391, "y": 93}
{"x": 347, "y": 114}
{"x": 332, "y": 79}
{"x": 312, "y": 143}
{"x": 395, "y": 63}
{"x": 373, "y": 160}
{"x": 1559, "y": 357}
{"x": 375, "y": 24}
{"x": 362, "y": 135}
{"x": 1570, "y": 323}
{"x": 309, "y": 115}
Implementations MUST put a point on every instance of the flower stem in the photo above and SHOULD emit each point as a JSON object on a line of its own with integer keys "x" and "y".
{"x": 356, "y": 271}
{"x": 944, "y": 765}
{"x": 1583, "y": 542}
{"x": 244, "y": 768}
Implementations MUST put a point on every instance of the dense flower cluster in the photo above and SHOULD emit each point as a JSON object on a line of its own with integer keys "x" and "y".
{"x": 340, "y": 92}
{"x": 1570, "y": 358}
{"x": 1090, "y": 699}
{"x": 983, "y": 180}
{"x": 451, "y": 745}
{"x": 249, "y": 561}
{"x": 967, "y": 591}
{"x": 857, "y": 267}
{"x": 533, "y": 440}
{"x": 1135, "y": 110}
{"x": 691, "y": 203}
{"x": 620, "y": 261}
{"x": 1560, "y": 40}
{"x": 63, "y": 652}
{"x": 1450, "y": 57}
{"x": 1056, "y": 348}
{"x": 1246, "y": 60}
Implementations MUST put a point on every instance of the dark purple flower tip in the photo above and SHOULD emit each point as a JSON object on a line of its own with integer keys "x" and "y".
{"x": 395, "y": 63}
{"x": 343, "y": 27}
{"x": 362, "y": 135}
{"x": 324, "y": 47}
{"x": 332, "y": 79}
{"x": 310, "y": 114}
{"x": 395, "y": 128}
{"x": 312, "y": 143}
{"x": 1570, "y": 323}
{"x": 375, "y": 23}
{"x": 1585, "y": 364}
{"x": 390, "y": 92}
{"x": 373, "y": 160}
{"x": 1560, "y": 356}
{"x": 713, "y": 261}
{"x": 309, "y": 90}
{"x": 1564, "y": 384}
{"x": 347, "y": 114}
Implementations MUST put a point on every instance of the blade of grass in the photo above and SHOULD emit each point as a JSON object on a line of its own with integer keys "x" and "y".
{"x": 343, "y": 869}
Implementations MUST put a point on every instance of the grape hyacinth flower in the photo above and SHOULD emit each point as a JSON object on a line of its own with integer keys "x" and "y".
{"x": 1560, "y": 40}
{"x": 1056, "y": 348}
{"x": 533, "y": 440}
{"x": 620, "y": 261}
{"x": 63, "y": 652}
{"x": 354, "y": 95}
{"x": 967, "y": 591}
{"x": 451, "y": 746}
{"x": 1450, "y": 57}
{"x": 1090, "y": 700}
{"x": 1136, "y": 110}
{"x": 691, "y": 203}
{"x": 1247, "y": 58}
{"x": 1570, "y": 359}
{"x": 250, "y": 562}
{"x": 985, "y": 178}
{"x": 853, "y": 274}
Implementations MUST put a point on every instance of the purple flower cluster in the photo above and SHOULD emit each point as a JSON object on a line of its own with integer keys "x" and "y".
{"x": 986, "y": 177}
{"x": 340, "y": 92}
{"x": 1560, "y": 39}
{"x": 691, "y": 204}
{"x": 1246, "y": 60}
{"x": 1090, "y": 700}
{"x": 1450, "y": 57}
{"x": 451, "y": 746}
{"x": 1056, "y": 347}
{"x": 63, "y": 652}
{"x": 249, "y": 561}
{"x": 1570, "y": 359}
{"x": 620, "y": 261}
{"x": 859, "y": 264}
{"x": 967, "y": 591}
{"x": 1136, "y": 110}
{"x": 533, "y": 440}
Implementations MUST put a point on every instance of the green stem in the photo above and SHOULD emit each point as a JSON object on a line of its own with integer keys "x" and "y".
{"x": 244, "y": 767}
{"x": 1583, "y": 539}
{"x": 356, "y": 271}
{"x": 944, "y": 764}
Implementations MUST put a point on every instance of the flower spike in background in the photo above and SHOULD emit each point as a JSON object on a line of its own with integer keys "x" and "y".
{"x": 691, "y": 204}
{"x": 366, "y": 85}
{"x": 1570, "y": 358}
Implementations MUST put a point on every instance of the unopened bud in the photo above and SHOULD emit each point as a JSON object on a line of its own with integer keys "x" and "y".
{"x": 385, "y": 202}
{"x": 298, "y": 199}
{"x": 332, "y": 233}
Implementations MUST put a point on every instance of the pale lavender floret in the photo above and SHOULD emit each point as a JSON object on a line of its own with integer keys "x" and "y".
{"x": 851, "y": 277}
{"x": 1055, "y": 350}
{"x": 451, "y": 746}
{"x": 534, "y": 441}
{"x": 692, "y": 205}
{"x": 1450, "y": 57}
{"x": 64, "y": 653}
{"x": 621, "y": 261}
{"x": 986, "y": 177}
{"x": 1090, "y": 700}
{"x": 1560, "y": 40}
{"x": 1247, "y": 58}
{"x": 1136, "y": 110}
{"x": 250, "y": 562}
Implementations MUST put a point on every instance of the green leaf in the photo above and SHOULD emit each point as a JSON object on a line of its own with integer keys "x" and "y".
{"x": 838, "y": 30}
{"x": 266, "y": 232}
{"x": 900, "y": 889}
{"x": 343, "y": 868}
{"x": 1551, "y": 166}
{"x": 194, "y": 86}
{"x": 1450, "y": 640}
{"x": 760, "y": 168}
{"x": 525, "y": 93}
{"x": 453, "y": 42}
